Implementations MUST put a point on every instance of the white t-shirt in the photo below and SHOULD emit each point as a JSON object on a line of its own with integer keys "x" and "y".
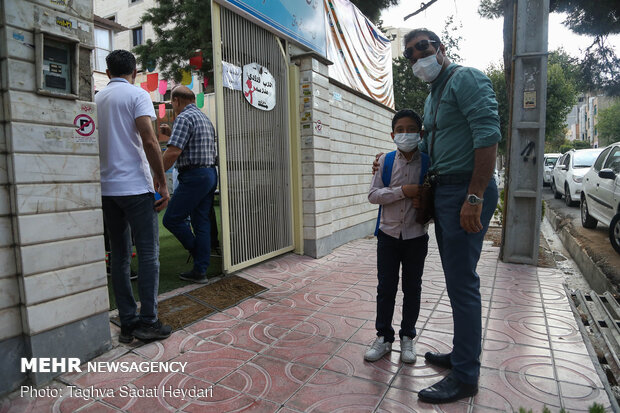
{"x": 124, "y": 167}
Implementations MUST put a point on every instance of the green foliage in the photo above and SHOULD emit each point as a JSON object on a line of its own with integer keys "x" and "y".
{"x": 451, "y": 38}
{"x": 609, "y": 125}
{"x": 571, "y": 68}
{"x": 564, "y": 148}
{"x": 600, "y": 67}
{"x": 496, "y": 74}
{"x": 409, "y": 91}
{"x": 182, "y": 27}
{"x": 372, "y": 8}
{"x": 561, "y": 96}
{"x": 597, "y": 408}
{"x": 581, "y": 145}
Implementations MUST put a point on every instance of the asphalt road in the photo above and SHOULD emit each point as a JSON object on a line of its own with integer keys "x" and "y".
{"x": 594, "y": 241}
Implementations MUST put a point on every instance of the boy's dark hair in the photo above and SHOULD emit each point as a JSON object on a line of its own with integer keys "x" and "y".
{"x": 120, "y": 62}
{"x": 407, "y": 113}
{"x": 422, "y": 31}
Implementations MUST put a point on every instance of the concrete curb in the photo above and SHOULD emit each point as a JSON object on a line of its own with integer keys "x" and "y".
{"x": 591, "y": 272}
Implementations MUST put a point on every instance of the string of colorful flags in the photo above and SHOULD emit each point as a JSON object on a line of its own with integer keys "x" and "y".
{"x": 153, "y": 83}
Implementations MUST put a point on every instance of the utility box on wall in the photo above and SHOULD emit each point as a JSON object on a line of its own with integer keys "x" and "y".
{"x": 57, "y": 66}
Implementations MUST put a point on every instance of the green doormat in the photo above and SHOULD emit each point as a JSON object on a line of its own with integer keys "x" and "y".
{"x": 189, "y": 307}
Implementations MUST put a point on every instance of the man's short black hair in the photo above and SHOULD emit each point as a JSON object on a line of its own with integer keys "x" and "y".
{"x": 407, "y": 113}
{"x": 420, "y": 32}
{"x": 121, "y": 62}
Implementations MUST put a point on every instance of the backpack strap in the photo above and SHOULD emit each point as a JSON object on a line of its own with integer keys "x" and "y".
{"x": 386, "y": 177}
{"x": 424, "y": 169}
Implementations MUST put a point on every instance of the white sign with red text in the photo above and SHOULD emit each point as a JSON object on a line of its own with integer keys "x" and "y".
{"x": 259, "y": 86}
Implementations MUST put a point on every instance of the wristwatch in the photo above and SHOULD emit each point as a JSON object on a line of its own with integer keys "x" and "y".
{"x": 473, "y": 199}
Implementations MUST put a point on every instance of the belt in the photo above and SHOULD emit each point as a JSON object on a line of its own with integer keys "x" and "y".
{"x": 188, "y": 167}
{"x": 450, "y": 179}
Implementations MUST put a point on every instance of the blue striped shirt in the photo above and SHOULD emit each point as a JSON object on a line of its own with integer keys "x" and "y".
{"x": 193, "y": 132}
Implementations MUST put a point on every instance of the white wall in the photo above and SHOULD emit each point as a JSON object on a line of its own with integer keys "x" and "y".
{"x": 52, "y": 270}
{"x": 341, "y": 132}
{"x": 127, "y": 14}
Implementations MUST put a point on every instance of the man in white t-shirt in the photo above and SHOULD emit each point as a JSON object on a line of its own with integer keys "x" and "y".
{"x": 128, "y": 150}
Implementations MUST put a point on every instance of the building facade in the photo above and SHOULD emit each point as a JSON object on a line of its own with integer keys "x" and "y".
{"x": 53, "y": 284}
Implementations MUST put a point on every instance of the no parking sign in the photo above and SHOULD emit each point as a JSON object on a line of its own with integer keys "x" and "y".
{"x": 84, "y": 127}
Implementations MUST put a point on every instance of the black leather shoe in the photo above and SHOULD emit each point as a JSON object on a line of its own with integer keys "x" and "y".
{"x": 448, "y": 390}
{"x": 194, "y": 277}
{"x": 439, "y": 359}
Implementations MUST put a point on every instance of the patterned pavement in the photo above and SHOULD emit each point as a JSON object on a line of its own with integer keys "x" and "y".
{"x": 299, "y": 347}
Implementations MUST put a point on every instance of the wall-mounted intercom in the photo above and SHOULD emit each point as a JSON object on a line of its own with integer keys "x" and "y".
{"x": 57, "y": 65}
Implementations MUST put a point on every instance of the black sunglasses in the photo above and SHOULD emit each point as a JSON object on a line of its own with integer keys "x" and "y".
{"x": 422, "y": 45}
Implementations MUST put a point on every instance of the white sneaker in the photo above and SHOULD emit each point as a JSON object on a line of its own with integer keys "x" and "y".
{"x": 377, "y": 350}
{"x": 407, "y": 350}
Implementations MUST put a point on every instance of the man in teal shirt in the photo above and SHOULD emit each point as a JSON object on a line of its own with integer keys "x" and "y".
{"x": 461, "y": 138}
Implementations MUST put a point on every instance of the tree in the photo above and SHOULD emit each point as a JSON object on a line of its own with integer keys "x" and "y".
{"x": 600, "y": 66}
{"x": 409, "y": 91}
{"x": 182, "y": 27}
{"x": 608, "y": 125}
{"x": 451, "y": 39}
{"x": 372, "y": 8}
{"x": 561, "y": 96}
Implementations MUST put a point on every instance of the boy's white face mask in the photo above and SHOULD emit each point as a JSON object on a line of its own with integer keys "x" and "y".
{"x": 407, "y": 142}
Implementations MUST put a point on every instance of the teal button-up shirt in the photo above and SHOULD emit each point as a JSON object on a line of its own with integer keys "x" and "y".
{"x": 467, "y": 120}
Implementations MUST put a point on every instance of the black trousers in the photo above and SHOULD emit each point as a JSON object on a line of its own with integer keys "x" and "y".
{"x": 391, "y": 254}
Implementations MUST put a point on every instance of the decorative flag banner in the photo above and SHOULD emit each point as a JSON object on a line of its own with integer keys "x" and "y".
{"x": 162, "y": 110}
{"x": 259, "y": 86}
{"x": 191, "y": 84}
{"x": 163, "y": 86}
{"x": 205, "y": 82}
{"x": 150, "y": 66}
{"x": 200, "y": 100}
{"x": 187, "y": 78}
{"x": 196, "y": 61}
{"x": 144, "y": 86}
{"x": 151, "y": 81}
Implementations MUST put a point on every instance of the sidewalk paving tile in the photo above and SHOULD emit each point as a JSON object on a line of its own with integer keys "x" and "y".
{"x": 299, "y": 346}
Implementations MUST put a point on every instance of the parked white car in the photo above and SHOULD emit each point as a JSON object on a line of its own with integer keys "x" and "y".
{"x": 549, "y": 162}
{"x": 600, "y": 198}
{"x": 568, "y": 173}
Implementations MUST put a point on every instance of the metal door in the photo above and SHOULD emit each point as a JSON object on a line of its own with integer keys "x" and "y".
{"x": 255, "y": 155}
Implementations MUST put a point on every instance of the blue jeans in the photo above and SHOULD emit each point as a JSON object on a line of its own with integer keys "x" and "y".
{"x": 391, "y": 253}
{"x": 193, "y": 198}
{"x": 460, "y": 253}
{"x": 122, "y": 215}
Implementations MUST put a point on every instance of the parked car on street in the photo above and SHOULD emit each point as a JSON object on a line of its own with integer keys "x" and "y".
{"x": 549, "y": 162}
{"x": 600, "y": 197}
{"x": 568, "y": 173}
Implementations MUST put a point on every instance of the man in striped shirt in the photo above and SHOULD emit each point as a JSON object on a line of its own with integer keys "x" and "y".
{"x": 192, "y": 146}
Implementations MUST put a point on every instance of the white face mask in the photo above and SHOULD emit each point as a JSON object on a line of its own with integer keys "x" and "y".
{"x": 406, "y": 142}
{"x": 427, "y": 68}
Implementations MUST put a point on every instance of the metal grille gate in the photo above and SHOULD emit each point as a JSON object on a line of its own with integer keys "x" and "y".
{"x": 258, "y": 158}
